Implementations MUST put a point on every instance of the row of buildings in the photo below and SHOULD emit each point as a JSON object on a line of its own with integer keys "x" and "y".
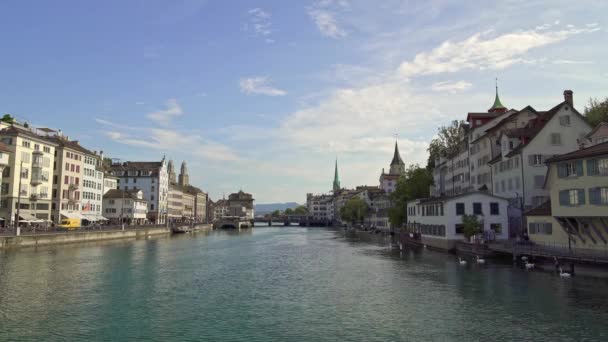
{"x": 537, "y": 174}
{"x": 325, "y": 208}
{"x": 48, "y": 178}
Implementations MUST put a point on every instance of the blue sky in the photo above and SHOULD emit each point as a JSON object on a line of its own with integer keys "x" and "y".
{"x": 263, "y": 95}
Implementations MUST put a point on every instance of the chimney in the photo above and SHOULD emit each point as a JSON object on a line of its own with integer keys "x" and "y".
{"x": 568, "y": 97}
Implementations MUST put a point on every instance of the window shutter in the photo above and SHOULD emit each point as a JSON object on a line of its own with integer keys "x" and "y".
{"x": 548, "y": 228}
{"x": 581, "y": 196}
{"x": 564, "y": 199}
{"x": 592, "y": 168}
{"x": 594, "y": 196}
{"x": 531, "y": 159}
{"x": 561, "y": 170}
{"x": 579, "y": 168}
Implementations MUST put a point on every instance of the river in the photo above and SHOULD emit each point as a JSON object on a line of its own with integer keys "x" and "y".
{"x": 284, "y": 284}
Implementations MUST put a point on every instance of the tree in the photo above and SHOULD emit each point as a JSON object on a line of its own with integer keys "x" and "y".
{"x": 276, "y": 213}
{"x": 413, "y": 184}
{"x": 301, "y": 210}
{"x": 472, "y": 226}
{"x": 288, "y": 211}
{"x": 596, "y": 111}
{"x": 448, "y": 140}
{"x": 354, "y": 210}
{"x": 7, "y": 118}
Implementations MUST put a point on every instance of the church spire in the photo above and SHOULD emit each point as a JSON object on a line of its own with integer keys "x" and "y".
{"x": 497, "y": 106}
{"x": 397, "y": 164}
{"x": 336, "y": 186}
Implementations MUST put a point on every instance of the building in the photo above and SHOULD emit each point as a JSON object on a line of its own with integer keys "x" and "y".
{"x": 518, "y": 172}
{"x": 175, "y": 203}
{"x": 597, "y": 136}
{"x": 109, "y": 182}
{"x": 220, "y": 209}
{"x": 438, "y": 220}
{"x": 152, "y": 179}
{"x": 26, "y": 179}
{"x": 5, "y": 152}
{"x": 388, "y": 181}
{"x": 378, "y": 202}
{"x": 320, "y": 207}
{"x": 77, "y": 181}
{"x": 576, "y": 215}
{"x": 186, "y": 202}
{"x": 200, "y": 203}
{"x": 125, "y": 206}
{"x": 241, "y": 204}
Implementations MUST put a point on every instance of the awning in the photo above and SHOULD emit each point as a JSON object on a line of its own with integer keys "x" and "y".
{"x": 28, "y": 218}
{"x": 90, "y": 217}
{"x": 72, "y": 215}
{"x": 101, "y": 218}
{"x": 1, "y": 218}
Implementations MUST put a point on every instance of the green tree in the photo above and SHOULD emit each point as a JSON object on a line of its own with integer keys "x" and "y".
{"x": 447, "y": 141}
{"x": 7, "y": 118}
{"x": 596, "y": 111}
{"x": 413, "y": 184}
{"x": 354, "y": 210}
{"x": 288, "y": 211}
{"x": 472, "y": 226}
{"x": 301, "y": 210}
{"x": 276, "y": 213}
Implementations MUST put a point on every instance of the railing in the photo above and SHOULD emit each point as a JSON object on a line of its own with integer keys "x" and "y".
{"x": 41, "y": 229}
{"x": 552, "y": 250}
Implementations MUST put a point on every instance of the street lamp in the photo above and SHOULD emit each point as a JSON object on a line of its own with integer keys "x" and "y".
{"x": 18, "y": 229}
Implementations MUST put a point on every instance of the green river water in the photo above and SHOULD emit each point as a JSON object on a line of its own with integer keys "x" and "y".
{"x": 284, "y": 284}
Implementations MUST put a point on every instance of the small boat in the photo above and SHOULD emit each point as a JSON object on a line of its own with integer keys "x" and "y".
{"x": 564, "y": 274}
{"x": 180, "y": 229}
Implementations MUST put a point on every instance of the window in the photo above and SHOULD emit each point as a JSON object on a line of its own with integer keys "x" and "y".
{"x": 477, "y": 209}
{"x": 597, "y": 167}
{"x": 496, "y": 227}
{"x": 494, "y": 209}
{"x": 556, "y": 139}
{"x": 77, "y": 168}
{"x": 596, "y": 195}
{"x": 4, "y": 189}
{"x": 511, "y": 144}
{"x": 510, "y": 183}
{"x": 536, "y": 160}
{"x": 134, "y": 180}
{"x": 517, "y": 182}
{"x": 564, "y": 120}
{"x": 46, "y": 149}
{"x": 460, "y": 209}
{"x": 25, "y": 173}
{"x": 459, "y": 228}
{"x": 25, "y": 143}
{"x": 572, "y": 197}
{"x": 539, "y": 182}
{"x": 570, "y": 169}
{"x": 25, "y": 157}
{"x": 151, "y": 206}
{"x": 502, "y": 185}
{"x": 540, "y": 228}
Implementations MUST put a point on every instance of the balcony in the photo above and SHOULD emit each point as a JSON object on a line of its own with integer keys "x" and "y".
{"x": 73, "y": 186}
{"x": 34, "y": 198}
{"x": 23, "y": 193}
{"x": 38, "y": 179}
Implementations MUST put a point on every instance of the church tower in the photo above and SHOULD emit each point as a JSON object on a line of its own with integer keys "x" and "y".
{"x": 184, "y": 179}
{"x": 171, "y": 171}
{"x": 336, "y": 186}
{"x": 397, "y": 165}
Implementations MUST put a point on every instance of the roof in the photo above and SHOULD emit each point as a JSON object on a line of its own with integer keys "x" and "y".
{"x": 61, "y": 142}
{"x": 497, "y": 104}
{"x": 479, "y": 115}
{"x": 524, "y": 132}
{"x": 14, "y": 130}
{"x": 542, "y": 210}
{"x": 600, "y": 125}
{"x": 593, "y": 151}
{"x": 389, "y": 176}
{"x": 495, "y": 159}
{"x": 448, "y": 198}
{"x": 137, "y": 166}
{"x": 396, "y": 157}
{"x": 117, "y": 193}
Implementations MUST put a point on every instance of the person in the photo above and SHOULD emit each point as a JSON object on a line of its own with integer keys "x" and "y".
{"x": 557, "y": 265}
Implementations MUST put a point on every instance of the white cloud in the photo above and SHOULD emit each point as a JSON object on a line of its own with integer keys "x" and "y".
{"x": 163, "y": 117}
{"x": 480, "y": 51}
{"x": 323, "y": 15}
{"x": 259, "y": 85}
{"x": 568, "y": 61}
{"x": 451, "y": 87}
{"x": 260, "y": 23}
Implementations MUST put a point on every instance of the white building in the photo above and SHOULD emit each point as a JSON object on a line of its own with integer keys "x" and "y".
{"x": 109, "y": 182}
{"x": 438, "y": 220}
{"x": 150, "y": 177}
{"x": 92, "y": 188}
{"x": 126, "y": 206}
{"x": 320, "y": 207}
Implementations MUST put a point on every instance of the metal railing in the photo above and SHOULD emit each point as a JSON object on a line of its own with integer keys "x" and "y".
{"x": 552, "y": 249}
{"x": 46, "y": 229}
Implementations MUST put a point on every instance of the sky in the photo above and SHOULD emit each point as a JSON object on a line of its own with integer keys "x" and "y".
{"x": 264, "y": 95}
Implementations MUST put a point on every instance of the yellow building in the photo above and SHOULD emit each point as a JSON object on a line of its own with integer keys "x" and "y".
{"x": 27, "y": 177}
{"x": 578, "y": 214}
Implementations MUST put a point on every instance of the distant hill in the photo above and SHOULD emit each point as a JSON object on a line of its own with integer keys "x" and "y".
{"x": 270, "y": 207}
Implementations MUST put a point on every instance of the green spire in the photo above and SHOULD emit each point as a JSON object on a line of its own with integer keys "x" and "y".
{"x": 336, "y": 178}
{"x": 497, "y": 104}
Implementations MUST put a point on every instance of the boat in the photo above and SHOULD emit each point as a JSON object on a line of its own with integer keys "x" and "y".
{"x": 175, "y": 229}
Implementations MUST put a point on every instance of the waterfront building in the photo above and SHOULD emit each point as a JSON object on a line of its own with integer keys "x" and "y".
{"x": 339, "y": 201}
{"x": 388, "y": 181}
{"x": 320, "y": 207}
{"x": 378, "y": 202}
{"x": 191, "y": 200}
{"x": 241, "y": 204}
{"x": 220, "y": 209}
{"x": 200, "y": 203}
{"x": 109, "y": 182}
{"x": 518, "y": 172}
{"x": 175, "y": 203}
{"x": 575, "y": 216}
{"x": 125, "y": 206}
{"x": 26, "y": 179}
{"x": 438, "y": 220}
{"x": 150, "y": 177}
{"x": 5, "y": 152}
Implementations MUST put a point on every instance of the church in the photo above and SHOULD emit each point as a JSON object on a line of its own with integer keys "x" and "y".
{"x": 388, "y": 181}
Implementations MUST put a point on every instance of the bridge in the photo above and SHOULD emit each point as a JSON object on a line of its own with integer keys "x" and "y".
{"x": 232, "y": 222}
{"x": 288, "y": 220}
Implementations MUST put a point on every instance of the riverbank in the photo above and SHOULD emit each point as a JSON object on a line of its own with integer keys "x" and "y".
{"x": 47, "y": 239}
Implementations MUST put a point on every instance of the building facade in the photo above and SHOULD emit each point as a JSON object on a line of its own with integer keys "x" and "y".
{"x": 125, "y": 206}
{"x": 388, "y": 181}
